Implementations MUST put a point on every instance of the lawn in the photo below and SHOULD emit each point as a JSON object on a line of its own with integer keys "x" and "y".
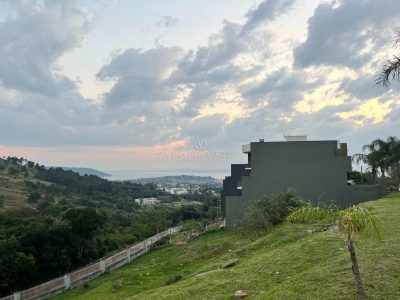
{"x": 287, "y": 263}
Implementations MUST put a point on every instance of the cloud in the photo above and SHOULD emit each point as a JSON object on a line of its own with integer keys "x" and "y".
{"x": 266, "y": 11}
{"x": 221, "y": 49}
{"x": 140, "y": 75}
{"x": 282, "y": 88}
{"x": 33, "y": 37}
{"x": 166, "y": 22}
{"x": 241, "y": 85}
{"x": 347, "y": 35}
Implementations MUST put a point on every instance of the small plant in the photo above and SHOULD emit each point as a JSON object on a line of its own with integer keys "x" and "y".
{"x": 86, "y": 285}
{"x": 349, "y": 222}
{"x": 118, "y": 284}
{"x": 173, "y": 279}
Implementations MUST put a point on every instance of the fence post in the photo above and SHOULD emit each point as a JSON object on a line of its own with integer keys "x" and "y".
{"x": 128, "y": 254}
{"x": 102, "y": 266}
{"x": 17, "y": 296}
{"x": 67, "y": 281}
{"x": 145, "y": 246}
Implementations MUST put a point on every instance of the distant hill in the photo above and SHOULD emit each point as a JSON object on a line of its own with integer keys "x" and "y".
{"x": 86, "y": 171}
{"x": 181, "y": 179}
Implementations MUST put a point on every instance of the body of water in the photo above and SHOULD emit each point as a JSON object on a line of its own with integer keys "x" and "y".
{"x": 135, "y": 174}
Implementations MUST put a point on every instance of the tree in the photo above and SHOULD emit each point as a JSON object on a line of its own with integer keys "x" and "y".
{"x": 391, "y": 70}
{"x": 369, "y": 159}
{"x": 393, "y": 158}
{"x": 383, "y": 155}
{"x": 16, "y": 267}
{"x": 349, "y": 222}
{"x": 260, "y": 216}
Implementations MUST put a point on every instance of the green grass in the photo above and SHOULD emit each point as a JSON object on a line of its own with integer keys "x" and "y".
{"x": 287, "y": 263}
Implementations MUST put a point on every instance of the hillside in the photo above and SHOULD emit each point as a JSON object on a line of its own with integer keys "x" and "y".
{"x": 53, "y": 221}
{"x": 288, "y": 263}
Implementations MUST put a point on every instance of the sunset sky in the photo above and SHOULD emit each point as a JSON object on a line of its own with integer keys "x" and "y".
{"x": 123, "y": 85}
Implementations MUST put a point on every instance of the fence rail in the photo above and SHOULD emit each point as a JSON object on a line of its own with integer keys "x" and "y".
{"x": 91, "y": 271}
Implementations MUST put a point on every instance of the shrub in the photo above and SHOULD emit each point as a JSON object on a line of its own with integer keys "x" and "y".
{"x": 173, "y": 279}
{"x": 34, "y": 197}
{"x": 260, "y": 216}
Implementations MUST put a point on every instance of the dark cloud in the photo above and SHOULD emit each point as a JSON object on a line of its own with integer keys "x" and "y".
{"x": 220, "y": 51}
{"x": 33, "y": 37}
{"x": 340, "y": 35}
{"x": 282, "y": 88}
{"x": 266, "y": 11}
{"x": 362, "y": 88}
{"x": 140, "y": 75}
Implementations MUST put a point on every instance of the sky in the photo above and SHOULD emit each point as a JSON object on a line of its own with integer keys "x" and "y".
{"x": 135, "y": 85}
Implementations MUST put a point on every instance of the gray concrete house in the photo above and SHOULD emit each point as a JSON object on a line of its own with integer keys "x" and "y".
{"x": 316, "y": 169}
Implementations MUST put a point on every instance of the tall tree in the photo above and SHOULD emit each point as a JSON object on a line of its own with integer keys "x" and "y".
{"x": 391, "y": 70}
{"x": 349, "y": 222}
{"x": 371, "y": 159}
{"x": 393, "y": 145}
{"x": 382, "y": 149}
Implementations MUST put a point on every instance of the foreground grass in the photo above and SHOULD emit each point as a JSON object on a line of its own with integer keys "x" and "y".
{"x": 287, "y": 263}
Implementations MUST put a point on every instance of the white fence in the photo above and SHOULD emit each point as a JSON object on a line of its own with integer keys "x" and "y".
{"x": 89, "y": 272}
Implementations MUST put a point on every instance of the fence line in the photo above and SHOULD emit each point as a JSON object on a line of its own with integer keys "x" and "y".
{"x": 91, "y": 271}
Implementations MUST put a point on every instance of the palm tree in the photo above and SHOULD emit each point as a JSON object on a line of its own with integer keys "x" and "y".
{"x": 391, "y": 70}
{"x": 383, "y": 150}
{"x": 393, "y": 159}
{"x": 369, "y": 159}
{"x": 349, "y": 222}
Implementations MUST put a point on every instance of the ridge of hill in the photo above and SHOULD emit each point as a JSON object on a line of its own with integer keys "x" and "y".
{"x": 287, "y": 263}
{"x": 86, "y": 171}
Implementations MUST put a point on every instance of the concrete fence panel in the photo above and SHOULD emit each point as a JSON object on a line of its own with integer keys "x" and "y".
{"x": 89, "y": 272}
{"x": 84, "y": 274}
{"x": 44, "y": 290}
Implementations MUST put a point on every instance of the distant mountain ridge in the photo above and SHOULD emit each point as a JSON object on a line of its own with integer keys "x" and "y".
{"x": 86, "y": 171}
{"x": 181, "y": 179}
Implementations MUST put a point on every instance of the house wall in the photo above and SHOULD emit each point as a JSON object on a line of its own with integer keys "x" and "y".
{"x": 230, "y": 184}
{"x": 316, "y": 169}
{"x": 362, "y": 193}
{"x": 234, "y": 207}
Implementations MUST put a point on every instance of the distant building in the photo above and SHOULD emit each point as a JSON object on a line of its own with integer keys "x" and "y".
{"x": 316, "y": 169}
{"x": 147, "y": 201}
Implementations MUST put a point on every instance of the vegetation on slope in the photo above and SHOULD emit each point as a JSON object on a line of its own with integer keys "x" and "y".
{"x": 287, "y": 263}
{"x": 53, "y": 221}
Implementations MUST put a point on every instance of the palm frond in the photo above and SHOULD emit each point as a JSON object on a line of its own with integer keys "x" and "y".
{"x": 359, "y": 157}
{"x": 390, "y": 71}
{"x": 358, "y": 220}
{"x": 309, "y": 213}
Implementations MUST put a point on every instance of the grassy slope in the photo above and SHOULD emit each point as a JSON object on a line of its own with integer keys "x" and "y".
{"x": 13, "y": 189}
{"x": 288, "y": 263}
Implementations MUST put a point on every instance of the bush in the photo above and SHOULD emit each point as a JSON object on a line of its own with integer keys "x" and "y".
{"x": 173, "y": 279}
{"x": 260, "y": 216}
{"x": 34, "y": 197}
